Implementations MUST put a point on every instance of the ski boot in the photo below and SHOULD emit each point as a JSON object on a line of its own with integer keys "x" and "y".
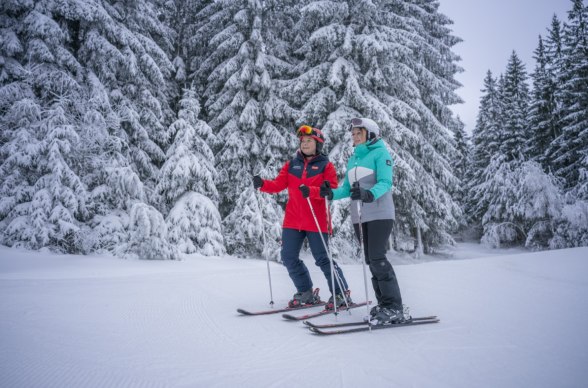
{"x": 305, "y": 298}
{"x": 340, "y": 300}
{"x": 386, "y": 316}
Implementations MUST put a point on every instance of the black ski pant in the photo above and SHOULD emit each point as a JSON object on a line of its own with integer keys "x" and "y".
{"x": 375, "y": 239}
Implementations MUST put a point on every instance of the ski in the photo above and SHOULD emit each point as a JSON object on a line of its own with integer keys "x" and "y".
{"x": 291, "y": 317}
{"x": 281, "y": 310}
{"x": 373, "y": 327}
{"x": 357, "y": 323}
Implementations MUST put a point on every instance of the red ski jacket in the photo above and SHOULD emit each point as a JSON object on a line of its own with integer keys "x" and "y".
{"x": 311, "y": 173}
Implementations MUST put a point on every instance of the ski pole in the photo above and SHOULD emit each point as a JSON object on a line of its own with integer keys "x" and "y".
{"x": 330, "y": 232}
{"x": 269, "y": 276}
{"x": 327, "y": 184}
{"x": 333, "y": 273}
{"x": 361, "y": 247}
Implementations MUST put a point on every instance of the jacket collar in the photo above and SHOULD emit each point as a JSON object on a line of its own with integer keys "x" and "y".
{"x": 362, "y": 150}
{"x": 315, "y": 158}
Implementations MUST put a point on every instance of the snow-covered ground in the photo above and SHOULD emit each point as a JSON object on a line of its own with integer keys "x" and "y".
{"x": 510, "y": 320}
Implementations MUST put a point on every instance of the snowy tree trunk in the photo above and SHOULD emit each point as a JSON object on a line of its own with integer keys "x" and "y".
{"x": 418, "y": 253}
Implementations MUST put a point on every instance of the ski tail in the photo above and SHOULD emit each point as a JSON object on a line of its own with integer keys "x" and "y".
{"x": 280, "y": 310}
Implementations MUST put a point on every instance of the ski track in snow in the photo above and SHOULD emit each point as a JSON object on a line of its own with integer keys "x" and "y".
{"x": 104, "y": 322}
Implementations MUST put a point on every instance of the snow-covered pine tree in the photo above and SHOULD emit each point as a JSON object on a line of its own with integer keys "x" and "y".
{"x": 123, "y": 76}
{"x": 128, "y": 49}
{"x": 485, "y": 140}
{"x": 377, "y": 59}
{"x": 321, "y": 45}
{"x": 460, "y": 163}
{"x": 435, "y": 65}
{"x": 554, "y": 65}
{"x": 523, "y": 204}
{"x": 515, "y": 107}
{"x": 148, "y": 235}
{"x": 514, "y": 199}
{"x": 462, "y": 146}
{"x": 190, "y": 161}
{"x": 571, "y": 154}
{"x": 186, "y": 18}
{"x": 44, "y": 201}
{"x": 542, "y": 109}
{"x": 571, "y": 227}
{"x": 178, "y": 17}
{"x": 186, "y": 184}
{"x": 554, "y": 47}
{"x": 250, "y": 122}
{"x": 492, "y": 198}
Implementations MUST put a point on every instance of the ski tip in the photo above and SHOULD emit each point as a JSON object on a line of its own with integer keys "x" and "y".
{"x": 289, "y": 317}
{"x": 244, "y": 312}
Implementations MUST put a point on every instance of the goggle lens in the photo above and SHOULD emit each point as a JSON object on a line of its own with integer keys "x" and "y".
{"x": 304, "y": 130}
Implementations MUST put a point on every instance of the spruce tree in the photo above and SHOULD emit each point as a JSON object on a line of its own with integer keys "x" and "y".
{"x": 44, "y": 201}
{"x": 392, "y": 62}
{"x": 186, "y": 184}
{"x": 542, "y": 109}
{"x": 571, "y": 154}
{"x": 98, "y": 91}
{"x": 126, "y": 51}
{"x": 460, "y": 162}
{"x": 523, "y": 204}
{"x": 493, "y": 197}
{"x": 485, "y": 147}
{"x": 251, "y": 123}
{"x": 515, "y": 106}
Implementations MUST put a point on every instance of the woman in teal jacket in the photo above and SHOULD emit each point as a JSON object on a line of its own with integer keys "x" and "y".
{"x": 369, "y": 181}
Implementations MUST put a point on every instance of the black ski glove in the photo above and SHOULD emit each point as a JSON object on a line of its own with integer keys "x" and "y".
{"x": 305, "y": 190}
{"x": 257, "y": 182}
{"x": 360, "y": 193}
{"x": 326, "y": 191}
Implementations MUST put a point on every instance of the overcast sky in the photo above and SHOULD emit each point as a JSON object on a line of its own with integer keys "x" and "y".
{"x": 491, "y": 30}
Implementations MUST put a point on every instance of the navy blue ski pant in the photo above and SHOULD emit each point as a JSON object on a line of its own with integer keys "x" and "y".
{"x": 292, "y": 240}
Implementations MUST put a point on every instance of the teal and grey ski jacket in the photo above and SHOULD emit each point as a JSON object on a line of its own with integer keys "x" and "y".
{"x": 372, "y": 166}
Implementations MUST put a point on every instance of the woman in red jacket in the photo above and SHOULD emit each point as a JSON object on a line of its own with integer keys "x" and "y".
{"x": 303, "y": 175}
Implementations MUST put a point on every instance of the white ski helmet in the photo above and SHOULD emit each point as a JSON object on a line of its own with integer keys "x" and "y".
{"x": 370, "y": 126}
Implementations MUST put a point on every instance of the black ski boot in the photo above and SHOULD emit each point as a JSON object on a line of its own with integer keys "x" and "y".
{"x": 386, "y": 316}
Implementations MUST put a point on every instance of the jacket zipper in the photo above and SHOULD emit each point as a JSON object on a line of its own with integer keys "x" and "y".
{"x": 301, "y": 182}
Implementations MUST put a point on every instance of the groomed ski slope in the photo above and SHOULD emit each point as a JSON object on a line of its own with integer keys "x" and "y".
{"x": 515, "y": 320}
